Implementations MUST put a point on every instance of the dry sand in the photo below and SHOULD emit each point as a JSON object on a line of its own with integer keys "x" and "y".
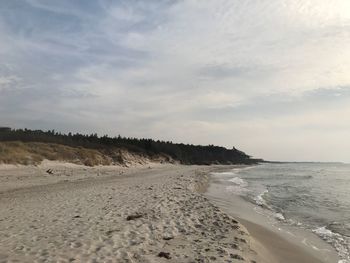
{"x": 80, "y": 214}
{"x": 148, "y": 213}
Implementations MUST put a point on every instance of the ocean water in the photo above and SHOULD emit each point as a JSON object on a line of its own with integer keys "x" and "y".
{"x": 314, "y": 197}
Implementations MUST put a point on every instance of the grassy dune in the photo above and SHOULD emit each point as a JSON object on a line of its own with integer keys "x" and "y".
{"x": 16, "y": 152}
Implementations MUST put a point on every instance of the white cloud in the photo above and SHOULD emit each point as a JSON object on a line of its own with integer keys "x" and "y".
{"x": 193, "y": 71}
{"x": 8, "y": 81}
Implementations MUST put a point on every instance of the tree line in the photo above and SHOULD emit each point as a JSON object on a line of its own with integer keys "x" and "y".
{"x": 184, "y": 153}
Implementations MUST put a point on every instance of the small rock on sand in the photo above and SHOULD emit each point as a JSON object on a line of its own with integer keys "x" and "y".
{"x": 133, "y": 217}
{"x": 164, "y": 255}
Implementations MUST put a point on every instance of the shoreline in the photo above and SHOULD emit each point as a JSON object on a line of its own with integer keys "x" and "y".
{"x": 269, "y": 240}
{"x": 281, "y": 249}
{"x": 118, "y": 214}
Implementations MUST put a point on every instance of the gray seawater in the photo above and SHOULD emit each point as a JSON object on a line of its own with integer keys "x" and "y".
{"x": 311, "y": 196}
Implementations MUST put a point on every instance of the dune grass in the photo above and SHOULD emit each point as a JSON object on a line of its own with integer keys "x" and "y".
{"x": 16, "y": 152}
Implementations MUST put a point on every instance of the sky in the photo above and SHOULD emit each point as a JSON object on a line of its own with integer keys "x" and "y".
{"x": 270, "y": 77}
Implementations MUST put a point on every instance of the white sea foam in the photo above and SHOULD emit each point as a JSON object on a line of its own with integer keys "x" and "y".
{"x": 279, "y": 216}
{"x": 231, "y": 173}
{"x": 323, "y": 231}
{"x": 341, "y": 243}
{"x": 293, "y": 222}
{"x": 238, "y": 186}
{"x": 238, "y": 181}
{"x": 259, "y": 199}
{"x": 237, "y": 189}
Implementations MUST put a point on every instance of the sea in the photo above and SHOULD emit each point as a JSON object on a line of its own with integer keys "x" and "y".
{"x": 311, "y": 199}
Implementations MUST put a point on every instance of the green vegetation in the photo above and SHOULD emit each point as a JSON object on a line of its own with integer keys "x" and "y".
{"x": 104, "y": 150}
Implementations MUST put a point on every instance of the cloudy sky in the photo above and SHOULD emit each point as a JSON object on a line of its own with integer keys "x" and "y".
{"x": 271, "y": 77}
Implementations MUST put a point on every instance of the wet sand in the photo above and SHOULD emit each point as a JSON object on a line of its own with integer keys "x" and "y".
{"x": 276, "y": 245}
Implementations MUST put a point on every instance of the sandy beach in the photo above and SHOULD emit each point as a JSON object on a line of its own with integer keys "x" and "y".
{"x": 147, "y": 213}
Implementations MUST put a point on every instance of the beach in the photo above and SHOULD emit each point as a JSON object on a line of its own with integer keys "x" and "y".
{"x": 58, "y": 212}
